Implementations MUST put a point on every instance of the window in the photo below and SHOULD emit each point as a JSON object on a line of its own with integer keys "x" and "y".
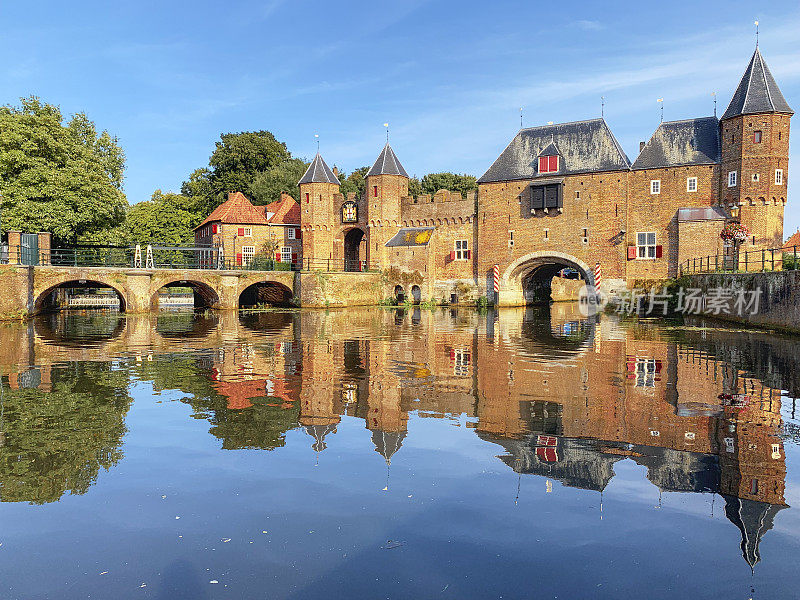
{"x": 577, "y": 194}
{"x": 646, "y": 245}
{"x": 778, "y": 176}
{"x": 375, "y": 191}
{"x": 510, "y": 239}
{"x": 286, "y": 254}
{"x": 776, "y": 451}
{"x": 546, "y": 234}
{"x": 755, "y": 177}
{"x": 646, "y": 374}
{"x": 756, "y": 137}
{"x": 691, "y": 184}
{"x": 655, "y": 186}
{"x": 585, "y": 236}
{"x": 548, "y": 164}
{"x": 349, "y": 212}
{"x": 308, "y": 197}
{"x": 754, "y": 486}
{"x": 291, "y": 233}
{"x": 247, "y": 254}
{"x": 546, "y": 196}
{"x": 462, "y": 251}
{"x": 732, "y": 179}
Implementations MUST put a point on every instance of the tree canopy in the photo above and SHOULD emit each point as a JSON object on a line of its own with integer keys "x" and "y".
{"x": 433, "y": 182}
{"x": 164, "y": 220}
{"x": 354, "y": 182}
{"x": 58, "y": 176}
{"x": 267, "y": 185}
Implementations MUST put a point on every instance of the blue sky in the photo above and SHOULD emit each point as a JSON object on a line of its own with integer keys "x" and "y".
{"x": 168, "y": 77}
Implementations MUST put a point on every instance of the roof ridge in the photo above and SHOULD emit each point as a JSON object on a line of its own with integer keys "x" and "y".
{"x": 564, "y": 123}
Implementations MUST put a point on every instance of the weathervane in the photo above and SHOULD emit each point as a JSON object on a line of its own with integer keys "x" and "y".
{"x": 387, "y": 132}
{"x": 602, "y": 106}
{"x": 715, "y": 102}
{"x": 316, "y": 136}
{"x": 661, "y": 102}
{"x": 756, "y": 24}
{"x": 520, "y": 117}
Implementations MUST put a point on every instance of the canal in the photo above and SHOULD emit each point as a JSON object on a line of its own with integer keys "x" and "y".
{"x": 391, "y": 453}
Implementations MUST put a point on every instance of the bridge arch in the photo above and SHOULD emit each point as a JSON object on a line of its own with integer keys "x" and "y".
{"x": 269, "y": 292}
{"x": 528, "y": 279}
{"x": 45, "y": 299}
{"x": 203, "y": 294}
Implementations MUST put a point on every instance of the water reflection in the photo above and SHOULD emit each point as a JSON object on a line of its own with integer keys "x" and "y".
{"x": 559, "y": 397}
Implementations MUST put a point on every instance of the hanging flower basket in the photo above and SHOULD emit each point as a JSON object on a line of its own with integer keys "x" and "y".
{"x": 734, "y": 232}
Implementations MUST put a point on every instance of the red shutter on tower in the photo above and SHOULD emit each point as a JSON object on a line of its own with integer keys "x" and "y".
{"x": 375, "y": 190}
{"x": 307, "y": 197}
{"x": 469, "y": 254}
{"x": 452, "y": 354}
{"x": 659, "y": 251}
{"x": 553, "y": 166}
{"x": 294, "y": 257}
{"x": 631, "y": 252}
{"x": 278, "y": 256}
{"x": 452, "y": 254}
{"x": 547, "y": 454}
{"x": 238, "y": 258}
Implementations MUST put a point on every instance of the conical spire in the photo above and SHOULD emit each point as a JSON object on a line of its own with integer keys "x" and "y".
{"x": 387, "y": 164}
{"x": 757, "y": 92}
{"x": 319, "y": 172}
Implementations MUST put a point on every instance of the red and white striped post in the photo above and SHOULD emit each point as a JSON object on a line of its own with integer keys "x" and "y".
{"x": 496, "y": 279}
{"x": 598, "y": 276}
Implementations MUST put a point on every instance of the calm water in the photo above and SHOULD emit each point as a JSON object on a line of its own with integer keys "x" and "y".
{"x": 390, "y": 454}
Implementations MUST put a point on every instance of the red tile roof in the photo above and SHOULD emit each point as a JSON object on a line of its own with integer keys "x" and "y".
{"x": 794, "y": 240}
{"x": 287, "y": 211}
{"x": 237, "y": 210}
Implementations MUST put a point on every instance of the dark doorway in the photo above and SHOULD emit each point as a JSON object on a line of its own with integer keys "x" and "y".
{"x": 416, "y": 294}
{"x": 266, "y": 293}
{"x": 399, "y": 294}
{"x": 354, "y": 257}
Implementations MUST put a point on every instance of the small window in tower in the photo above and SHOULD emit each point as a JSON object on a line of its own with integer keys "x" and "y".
{"x": 754, "y": 486}
{"x": 548, "y": 164}
{"x": 510, "y": 239}
{"x": 732, "y": 179}
{"x": 655, "y": 186}
{"x": 778, "y": 176}
{"x": 375, "y": 191}
{"x": 546, "y": 234}
{"x": 756, "y": 137}
{"x": 308, "y": 197}
{"x": 577, "y": 194}
{"x": 691, "y": 184}
{"x": 755, "y": 177}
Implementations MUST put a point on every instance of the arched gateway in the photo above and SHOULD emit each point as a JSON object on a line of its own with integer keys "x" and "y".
{"x": 528, "y": 279}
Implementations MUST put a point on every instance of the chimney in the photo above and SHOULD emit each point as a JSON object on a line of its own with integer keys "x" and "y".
{"x": 642, "y": 145}
{"x": 336, "y": 170}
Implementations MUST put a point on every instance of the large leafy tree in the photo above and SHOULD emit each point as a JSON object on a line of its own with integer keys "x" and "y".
{"x": 58, "y": 176}
{"x": 433, "y": 182}
{"x": 267, "y": 186}
{"x": 354, "y": 182}
{"x": 164, "y": 220}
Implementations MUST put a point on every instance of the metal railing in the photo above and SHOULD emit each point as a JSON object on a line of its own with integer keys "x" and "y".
{"x": 167, "y": 257}
{"x": 752, "y": 261}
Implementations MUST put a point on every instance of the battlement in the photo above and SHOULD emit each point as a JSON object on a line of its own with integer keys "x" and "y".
{"x": 443, "y": 204}
{"x": 440, "y": 196}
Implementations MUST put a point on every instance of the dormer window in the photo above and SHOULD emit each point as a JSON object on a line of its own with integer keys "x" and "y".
{"x": 548, "y": 164}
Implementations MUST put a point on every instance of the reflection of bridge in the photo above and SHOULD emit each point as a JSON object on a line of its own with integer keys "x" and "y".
{"x": 30, "y": 289}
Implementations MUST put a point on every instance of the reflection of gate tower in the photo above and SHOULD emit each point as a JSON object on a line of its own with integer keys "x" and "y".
{"x": 755, "y": 153}
{"x": 386, "y": 184}
{"x": 319, "y": 410}
{"x": 385, "y": 415}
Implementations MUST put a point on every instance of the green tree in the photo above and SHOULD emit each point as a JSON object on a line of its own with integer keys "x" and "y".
{"x": 58, "y": 176}
{"x": 414, "y": 187}
{"x": 433, "y": 182}
{"x": 164, "y": 220}
{"x": 200, "y": 191}
{"x": 355, "y": 182}
{"x": 267, "y": 185}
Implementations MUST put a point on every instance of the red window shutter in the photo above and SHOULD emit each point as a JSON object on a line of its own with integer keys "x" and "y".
{"x": 297, "y": 234}
{"x": 659, "y": 251}
{"x": 307, "y": 197}
{"x": 542, "y": 164}
{"x": 238, "y": 258}
{"x": 630, "y": 365}
{"x": 294, "y": 257}
{"x": 469, "y": 254}
{"x": 452, "y": 354}
{"x": 452, "y": 254}
{"x": 214, "y": 228}
{"x": 278, "y": 256}
{"x": 631, "y": 252}
{"x": 658, "y": 366}
{"x": 553, "y": 166}
{"x": 241, "y": 231}
{"x": 375, "y": 190}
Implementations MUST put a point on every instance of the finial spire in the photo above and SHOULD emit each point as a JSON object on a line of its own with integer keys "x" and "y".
{"x": 316, "y": 136}
{"x": 661, "y": 102}
{"x": 602, "y": 106}
{"x": 756, "y": 24}
{"x": 520, "y": 117}
{"x": 387, "y": 132}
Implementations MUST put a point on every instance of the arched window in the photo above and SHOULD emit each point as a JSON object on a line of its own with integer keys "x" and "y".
{"x": 349, "y": 212}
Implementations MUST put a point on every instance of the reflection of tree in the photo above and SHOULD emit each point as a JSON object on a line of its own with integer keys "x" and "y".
{"x": 263, "y": 424}
{"x": 57, "y": 442}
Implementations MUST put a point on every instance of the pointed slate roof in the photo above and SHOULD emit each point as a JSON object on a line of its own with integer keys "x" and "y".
{"x": 753, "y": 519}
{"x": 584, "y": 147}
{"x": 318, "y": 172}
{"x": 757, "y": 92}
{"x": 675, "y": 143}
{"x": 387, "y": 164}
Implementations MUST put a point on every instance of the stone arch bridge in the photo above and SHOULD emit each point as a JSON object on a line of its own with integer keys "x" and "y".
{"x": 28, "y": 290}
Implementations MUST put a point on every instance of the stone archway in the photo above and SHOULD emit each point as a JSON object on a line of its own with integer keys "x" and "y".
{"x": 355, "y": 249}
{"x": 46, "y": 300}
{"x": 203, "y": 295}
{"x": 270, "y": 293}
{"x": 528, "y": 279}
